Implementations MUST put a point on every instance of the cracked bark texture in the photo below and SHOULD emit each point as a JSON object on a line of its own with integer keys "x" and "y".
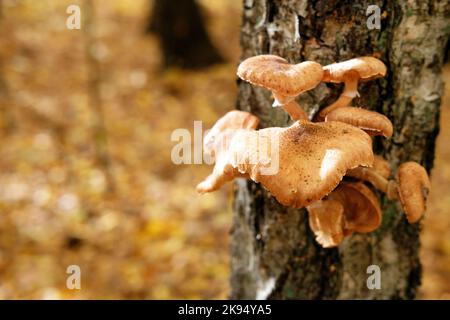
{"x": 274, "y": 254}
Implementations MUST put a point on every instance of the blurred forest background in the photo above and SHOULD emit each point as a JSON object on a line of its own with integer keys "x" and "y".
{"x": 86, "y": 176}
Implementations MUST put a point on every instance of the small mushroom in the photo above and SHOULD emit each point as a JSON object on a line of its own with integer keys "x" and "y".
{"x": 351, "y": 207}
{"x": 232, "y": 120}
{"x": 350, "y": 72}
{"x": 285, "y": 80}
{"x": 361, "y": 207}
{"x": 372, "y": 122}
{"x": 326, "y": 220}
{"x": 308, "y": 160}
{"x": 413, "y": 189}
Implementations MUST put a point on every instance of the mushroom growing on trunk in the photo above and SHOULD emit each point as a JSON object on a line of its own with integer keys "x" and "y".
{"x": 216, "y": 144}
{"x": 351, "y": 207}
{"x": 285, "y": 80}
{"x": 232, "y": 120}
{"x": 350, "y": 72}
{"x": 303, "y": 165}
{"x": 299, "y": 164}
{"x": 411, "y": 187}
{"x": 372, "y": 122}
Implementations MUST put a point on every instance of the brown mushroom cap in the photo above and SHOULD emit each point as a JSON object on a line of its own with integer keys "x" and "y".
{"x": 307, "y": 160}
{"x": 372, "y": 122}
{"x": 313, "y": 158}
{"x": 413, "y": 189}
{"x": 362, "y": 212}
{"x": 216, "y": 143}
{"x": 326, "y": 220}
{"x": 368, "y": 68}
{"x": 232, "y": 120}
{"x": 278, "y": 75}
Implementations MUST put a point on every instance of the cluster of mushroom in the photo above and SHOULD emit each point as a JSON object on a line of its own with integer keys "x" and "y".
{"x": 313, "y": 157}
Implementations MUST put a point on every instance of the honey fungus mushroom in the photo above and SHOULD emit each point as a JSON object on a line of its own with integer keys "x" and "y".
{"x": 372, "y": 122}
{"x": 298, "y": 165}
{"x": 326, "y": 220}
{"x": 285, "y": 80}
{"x": 232, "y": 120}
{"x": 216, "y": 144}
{"x": 350, "y": 72}
{"x": 411, "y": 187}
{"x": 351, "y": 207}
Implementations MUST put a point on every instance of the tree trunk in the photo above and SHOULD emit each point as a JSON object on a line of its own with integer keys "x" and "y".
{"x": 182, "y": 34}
{"x": 7, "y": 123}
{"x": 274, "y": 254}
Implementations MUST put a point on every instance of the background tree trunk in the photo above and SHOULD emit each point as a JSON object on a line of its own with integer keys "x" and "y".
{"x": 182, "y": 34}
{"x": 274, "y": 254}
{"x": 7, "y": 123}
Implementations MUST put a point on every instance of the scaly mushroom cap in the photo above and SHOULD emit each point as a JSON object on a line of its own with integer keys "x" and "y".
{"x": 372, "y": 122}
{"x": 279, "y": 76}
{"x": 326, "y": 220}
{"x": 368, "y": 68}
{"x": 230, "y": 121}
{"x": 312, "y": 158}
{"x": 362, "y": 212}
{"x": 413, "y": 189}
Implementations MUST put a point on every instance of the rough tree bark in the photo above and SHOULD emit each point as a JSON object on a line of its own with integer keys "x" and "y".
{"x": 274, "y": 254}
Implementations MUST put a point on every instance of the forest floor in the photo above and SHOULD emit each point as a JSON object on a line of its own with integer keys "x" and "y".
{"x": 136, "y": 227}
{"x": 152, "y": 237}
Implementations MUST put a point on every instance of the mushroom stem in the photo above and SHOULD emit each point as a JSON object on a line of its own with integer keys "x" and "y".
{"x": 389, "y": 187}
{"x": 369, "y": 175}
{"x": 291, "y": 106}
{"x": 350, "y": 91}
{"x": 342, "y": 101}
{"x": 392, "y": 190}
{"x": 295, "y": 111}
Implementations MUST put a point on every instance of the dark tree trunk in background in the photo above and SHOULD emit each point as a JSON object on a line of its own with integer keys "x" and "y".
{"x": 182, "y": 34}
{"x": 274, "y": 253}
{"x": 7, "y": 123}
